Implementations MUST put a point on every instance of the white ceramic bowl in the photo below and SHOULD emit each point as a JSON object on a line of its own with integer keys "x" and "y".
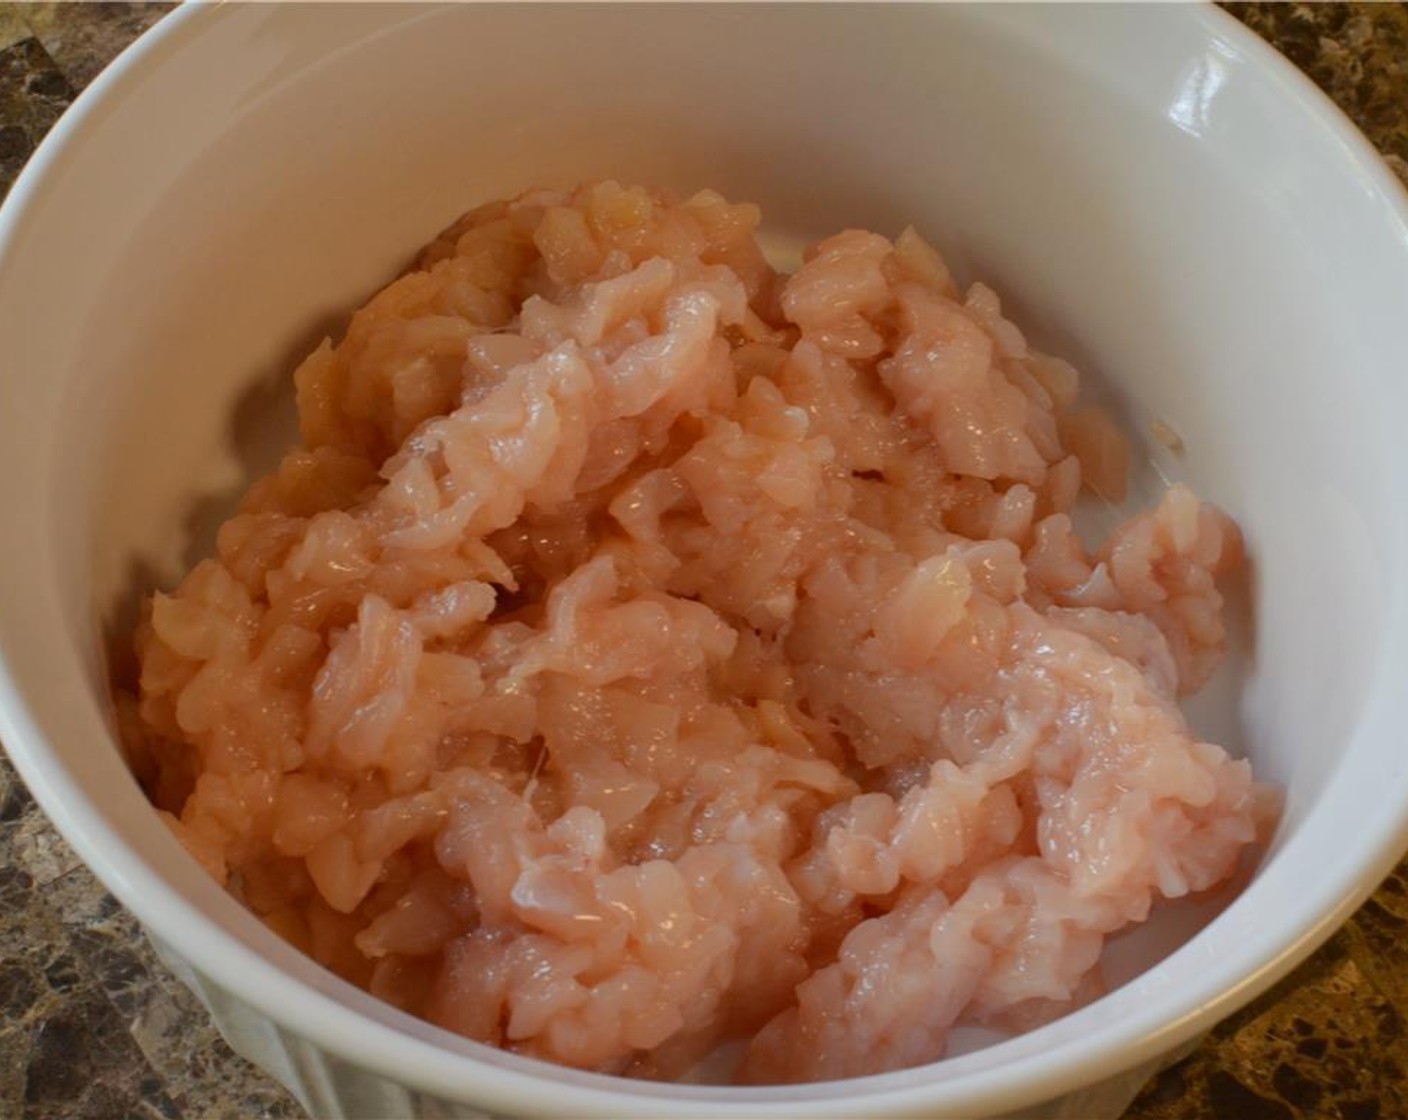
{"x": 1165, "y": 201}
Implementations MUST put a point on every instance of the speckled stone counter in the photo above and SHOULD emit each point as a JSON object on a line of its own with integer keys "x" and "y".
{"x": 94, "y": 1027}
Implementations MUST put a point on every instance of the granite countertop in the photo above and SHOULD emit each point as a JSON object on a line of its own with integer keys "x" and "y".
{"x": 93, "y": 1026}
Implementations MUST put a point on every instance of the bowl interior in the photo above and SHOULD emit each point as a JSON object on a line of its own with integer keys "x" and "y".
{"x": 1153, "y": 201}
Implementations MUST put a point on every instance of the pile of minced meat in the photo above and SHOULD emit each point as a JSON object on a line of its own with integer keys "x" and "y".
{"x": 647, "y": 651}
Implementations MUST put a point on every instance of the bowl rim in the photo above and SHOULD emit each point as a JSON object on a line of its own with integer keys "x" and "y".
{"x": 433, "y": 1067}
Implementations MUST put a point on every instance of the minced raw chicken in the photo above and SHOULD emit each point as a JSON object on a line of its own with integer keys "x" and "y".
{"x": 646, "y": 651}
